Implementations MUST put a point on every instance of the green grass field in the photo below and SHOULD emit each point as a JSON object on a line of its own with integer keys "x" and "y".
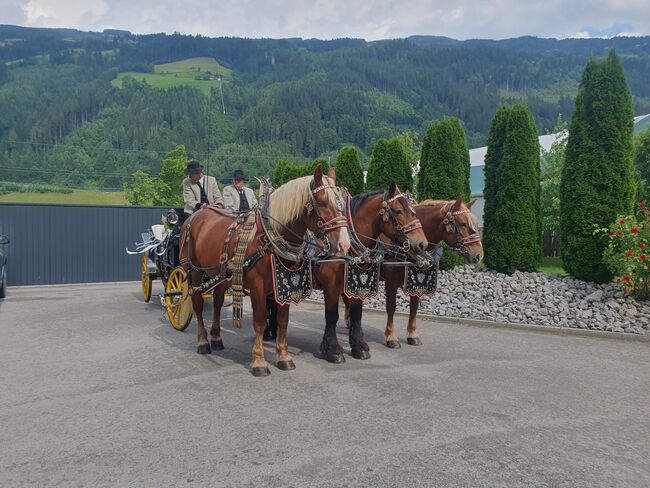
{"x": 180, "y": 73}
{"x": 80, "y": 197}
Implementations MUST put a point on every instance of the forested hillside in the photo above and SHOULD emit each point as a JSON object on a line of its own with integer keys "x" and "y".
{"x": 75, "y": 111}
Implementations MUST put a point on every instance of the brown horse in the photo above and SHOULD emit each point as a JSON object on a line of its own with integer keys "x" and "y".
{"x": 447, "y": 223}
{"x": 307, "y": 203}
{"x": 372, "y": 214}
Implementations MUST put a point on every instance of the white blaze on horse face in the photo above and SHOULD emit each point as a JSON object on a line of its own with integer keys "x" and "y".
{"x": 344, "y": 241}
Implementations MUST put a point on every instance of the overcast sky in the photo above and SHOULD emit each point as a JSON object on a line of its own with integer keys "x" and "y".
{"x": 368, "y": 19}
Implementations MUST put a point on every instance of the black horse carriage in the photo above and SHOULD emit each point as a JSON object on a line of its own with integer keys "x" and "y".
{"x": 159, "y": 249}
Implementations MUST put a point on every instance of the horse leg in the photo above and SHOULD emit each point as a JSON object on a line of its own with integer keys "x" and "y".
{"x": 215, "y": 331}
{"x": 413, "y": 338}
{"x": 392, "y": 341}
{"x": 284, "y": 360}
{"x": 259, "y": 366}
{"x": 271, "y": 331}
{"x": 197, "y": 304}
{"x": 330, "y": 346}
{"x": 359, "y": 347}
{"x": 347, "y": 311}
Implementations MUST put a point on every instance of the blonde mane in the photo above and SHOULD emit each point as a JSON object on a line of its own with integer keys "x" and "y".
{"x": 288, "y": 202}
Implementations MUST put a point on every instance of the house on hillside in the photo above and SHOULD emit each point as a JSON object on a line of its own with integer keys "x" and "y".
{"x": 477, "y": 162}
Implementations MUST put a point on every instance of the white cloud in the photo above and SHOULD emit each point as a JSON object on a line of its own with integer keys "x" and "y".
{"x": 369, "y": 19}
{"x": 63, "y": 13}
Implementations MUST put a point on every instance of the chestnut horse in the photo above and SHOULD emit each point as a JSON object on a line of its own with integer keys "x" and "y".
{"x": 372, "y": 214}
{"x": 307, "y": 203}
{"x": 447, "y": 223}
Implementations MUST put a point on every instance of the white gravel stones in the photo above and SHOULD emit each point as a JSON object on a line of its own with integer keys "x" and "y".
{"x": 532, "y": 298}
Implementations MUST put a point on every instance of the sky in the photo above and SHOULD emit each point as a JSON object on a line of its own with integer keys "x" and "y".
{"x": 367, "y": 19}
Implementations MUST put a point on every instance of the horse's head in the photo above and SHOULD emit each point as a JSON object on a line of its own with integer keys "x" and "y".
{"x": 400, "y": 224}
{"x": 460, "y": 230}
{"x": 325, "y": 212}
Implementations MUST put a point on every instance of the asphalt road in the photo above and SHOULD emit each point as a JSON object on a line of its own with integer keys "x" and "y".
{"x": 96, "y": 389}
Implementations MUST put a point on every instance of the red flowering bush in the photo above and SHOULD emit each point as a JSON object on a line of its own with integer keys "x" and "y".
{"x": 625, "y": 254}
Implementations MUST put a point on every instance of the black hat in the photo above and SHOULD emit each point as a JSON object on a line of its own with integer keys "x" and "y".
{"x": 193, "y": 167}
{"x": 238, "y": 174}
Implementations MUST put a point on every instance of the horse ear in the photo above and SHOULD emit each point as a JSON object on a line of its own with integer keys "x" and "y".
{"x": 318, "y": 175}
{"x": 459, "y": 201}
{"x": 332, "y": 173}
{"x": 471, "y": 202}
{"x": 391, "y": 189}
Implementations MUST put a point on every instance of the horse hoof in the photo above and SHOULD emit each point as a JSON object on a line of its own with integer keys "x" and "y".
{"x": 335, "y": 358}
{"x": 217, "y": 345}
{"x": 286, "y": 365}
{"x": 414, "y": 341}
{"x": 360, "y": 354}
{"x": 393, "y": 344}
{"x": 203, "y": 349}
{"x": 257, "y": 371}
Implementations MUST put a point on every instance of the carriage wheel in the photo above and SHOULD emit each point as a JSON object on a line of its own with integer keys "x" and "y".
{"x": 146, "y": 279}
{"x": 179, "y": 307}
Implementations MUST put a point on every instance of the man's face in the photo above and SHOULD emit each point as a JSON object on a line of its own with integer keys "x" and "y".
{"x": 238, "y": 183}
{"x": 196, "y": 176}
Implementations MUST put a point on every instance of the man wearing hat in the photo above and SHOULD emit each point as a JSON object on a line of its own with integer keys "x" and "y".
{"x": 237, "y": 197}
{"x": 199, "y": 190}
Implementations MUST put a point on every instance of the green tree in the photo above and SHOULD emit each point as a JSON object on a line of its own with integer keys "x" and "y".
{"x": 349, "y": 172}
{"x": 142, "y": 191}
{"x": 551, "y": 165}
{"x": 172, "y": 174}
{"x": 444, "y": 164}
{"x": 517, "y": 219}
{"x": 496, "y": 139}
{"x": 598, "y": 178}
{"x": 444, "y": 169}
{"x": 389, "y": 164}
{"x": 642, "y": 163}
{"x": 324, "y": 164}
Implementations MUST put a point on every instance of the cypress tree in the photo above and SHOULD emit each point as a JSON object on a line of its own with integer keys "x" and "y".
{"x": 444, "y": 163}
{"x": 598, "y": 180}
{"x": 496, "y": 138}
{"x": 517, "y": 238}
{"x": 349, "y": 172}
{"x": 324, "y": 164}
{"x": 388, "y": 164}
{"x": 444, "y": 169}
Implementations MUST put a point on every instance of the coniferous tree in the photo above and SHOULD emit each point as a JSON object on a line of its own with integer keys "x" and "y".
{"x": 389, "y": 164}
{"x": 496, "y": 138}
{"x": 598, "y": 179}
{"x": 444, "y": 163}
{"x": 642, "y": 163}
{"x": 349, "y": 172}
{"x": 444, "y": 169}
{"x": 517, "y": 238}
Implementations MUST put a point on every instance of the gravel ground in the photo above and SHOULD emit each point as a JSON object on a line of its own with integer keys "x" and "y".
{"x": 532, "y": 298}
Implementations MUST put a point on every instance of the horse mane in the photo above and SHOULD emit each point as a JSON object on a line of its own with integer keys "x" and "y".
{"x": 442, "y": 203}
{"x": 288, "y": 202}
{"x": 360, "y": 199}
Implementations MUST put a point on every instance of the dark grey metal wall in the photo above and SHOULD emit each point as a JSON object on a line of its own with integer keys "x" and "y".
{"x": 73, "y": 243}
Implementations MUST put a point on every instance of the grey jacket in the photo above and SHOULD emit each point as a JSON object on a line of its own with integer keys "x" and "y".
{"x": 231, "y": 197}
{"x": 192, "y": 193}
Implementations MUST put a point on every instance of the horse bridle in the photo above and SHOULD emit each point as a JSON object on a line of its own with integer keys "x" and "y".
{"x": 326, "y": 226}
{"x": 461, "y": 241}
{"x": 387, "y": 214}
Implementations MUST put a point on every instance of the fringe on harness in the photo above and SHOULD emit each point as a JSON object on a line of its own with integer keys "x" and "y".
{"x": 236, "y": 266}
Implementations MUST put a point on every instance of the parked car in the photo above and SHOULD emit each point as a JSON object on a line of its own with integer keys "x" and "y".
{"x": 3, "y": 268}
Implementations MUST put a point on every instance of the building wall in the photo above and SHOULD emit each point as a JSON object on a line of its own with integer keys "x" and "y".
{"x": 51, "y": 244}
